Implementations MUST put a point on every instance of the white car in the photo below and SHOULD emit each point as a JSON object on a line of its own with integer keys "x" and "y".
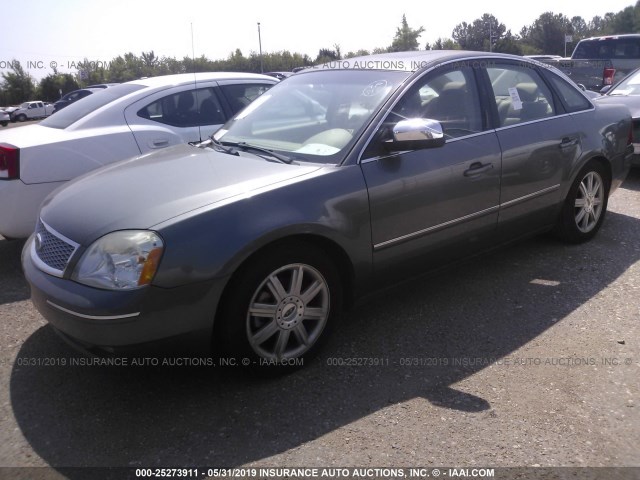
{"x": 4, "y": 118}
{"x": 31, "y": 111}
{"x": 114, "y": 124}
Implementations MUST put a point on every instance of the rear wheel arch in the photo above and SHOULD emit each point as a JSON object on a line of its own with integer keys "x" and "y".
{"x": 585, "y": 203}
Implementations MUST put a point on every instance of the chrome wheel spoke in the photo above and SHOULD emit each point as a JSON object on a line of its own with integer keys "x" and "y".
{"x": 296, "y": 280}
{"x": 589, "y": 202}
{"x": 589, "y": 186}
{"x": 311, "y": 292}
{"x": 263, "y": 310}
{"x": 275, "y": 287}
{"x": 583, "y": 190}
{"x": 295, "y": 301}
{"x": 301, "y": 334}
{"x": 314, "y": 313}
{"x": 281, "y": 343}
{"x": 265, "y": 333}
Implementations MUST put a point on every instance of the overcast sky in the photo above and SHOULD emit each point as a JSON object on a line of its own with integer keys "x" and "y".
{"x": 39, "y": 33}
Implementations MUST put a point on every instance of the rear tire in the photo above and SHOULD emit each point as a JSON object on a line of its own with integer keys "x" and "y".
{"x": 279, "y": 308}
{"x": 585, "y": 207}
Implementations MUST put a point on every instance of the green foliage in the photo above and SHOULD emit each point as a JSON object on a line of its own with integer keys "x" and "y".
{"x": 406, "y": 38}
{"x": 358, "y": 53}
{"x": 326, "y": 55}
{"x": 444, "y": 44}
{"x": 475, "y": 36}
{"x": 547, "y": 33}
{"x": 50, "y": 86}
{"x": 17, "y": 86}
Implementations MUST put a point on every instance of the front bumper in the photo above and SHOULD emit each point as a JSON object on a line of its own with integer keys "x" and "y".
{"x": 124, "y": 321}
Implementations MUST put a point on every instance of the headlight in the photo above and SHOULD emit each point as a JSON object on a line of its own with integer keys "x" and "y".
{"x": 120, "y": 260}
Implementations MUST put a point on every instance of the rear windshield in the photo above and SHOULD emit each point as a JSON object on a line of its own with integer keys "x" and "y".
{"x": 606, "y": 48}
{"x": 85, "y": 106}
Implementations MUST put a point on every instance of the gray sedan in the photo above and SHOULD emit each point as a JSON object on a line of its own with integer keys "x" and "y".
{"x": 334, "y": 183}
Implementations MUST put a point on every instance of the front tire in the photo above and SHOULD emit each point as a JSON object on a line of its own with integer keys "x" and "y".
{"x": 279, "y": 308}
{"x": 21, "y": 118}
{"x": 585, "y": 207}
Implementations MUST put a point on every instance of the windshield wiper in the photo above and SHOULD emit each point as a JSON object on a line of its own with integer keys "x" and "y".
{"x": 216, "y": 145}
{"x": 244, "y": 146}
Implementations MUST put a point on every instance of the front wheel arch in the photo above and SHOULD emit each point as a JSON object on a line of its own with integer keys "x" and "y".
{"x": 329, "y": 258}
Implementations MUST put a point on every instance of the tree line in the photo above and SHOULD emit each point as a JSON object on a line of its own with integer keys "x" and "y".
{"x": 545, "y": 35}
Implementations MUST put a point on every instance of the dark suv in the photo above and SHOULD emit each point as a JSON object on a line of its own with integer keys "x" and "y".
{"x": 74, "y": 96}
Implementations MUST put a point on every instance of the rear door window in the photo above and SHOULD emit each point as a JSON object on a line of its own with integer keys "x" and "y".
{"x": 520, "y": 94}
{"x": 189, "y": 108}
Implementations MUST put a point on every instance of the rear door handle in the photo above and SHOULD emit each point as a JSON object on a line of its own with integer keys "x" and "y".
{"x": 477, "y": 168}
{"x": 568, "y": 142}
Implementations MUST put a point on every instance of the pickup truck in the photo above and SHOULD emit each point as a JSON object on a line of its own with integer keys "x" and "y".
{"x": 600, "y": 62}
{"x": 31, "y": 111}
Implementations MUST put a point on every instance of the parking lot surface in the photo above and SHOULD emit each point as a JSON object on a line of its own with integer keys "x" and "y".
{"x": 18, "y": 124}
{"x": 526, "y": 356}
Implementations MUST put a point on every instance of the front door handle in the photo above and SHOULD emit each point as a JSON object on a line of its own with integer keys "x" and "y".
{"x": 159, "y": 143}
{"x": 477, "y": 168}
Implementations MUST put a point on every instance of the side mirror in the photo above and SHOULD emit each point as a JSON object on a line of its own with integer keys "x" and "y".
{"x": 605, "y": 89}
{"x": 582, "y": 87}
{"x": 416, "y": 134}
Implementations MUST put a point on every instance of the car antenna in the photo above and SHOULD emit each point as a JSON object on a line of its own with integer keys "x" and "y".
{"x": 195, "y": 81}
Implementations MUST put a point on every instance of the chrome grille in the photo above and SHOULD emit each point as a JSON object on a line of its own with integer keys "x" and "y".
{"x": 52, "y": 250}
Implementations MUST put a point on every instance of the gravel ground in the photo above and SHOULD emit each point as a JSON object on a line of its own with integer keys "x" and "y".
{"x": 527, "y": 356}
{"x": 18, "y": 124}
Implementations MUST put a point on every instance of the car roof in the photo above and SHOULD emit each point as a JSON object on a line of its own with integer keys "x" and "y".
{"x": 88, "y": 89}
{"x": 102, "y": 85}
{"x": 406, "y": 61}
{"x": 612, "y": 37}
{"x": 185, "y": 78}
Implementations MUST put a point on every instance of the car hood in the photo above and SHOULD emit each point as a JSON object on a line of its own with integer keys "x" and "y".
{"x": 147, "y": 190}
{"x": 632, "y": 102}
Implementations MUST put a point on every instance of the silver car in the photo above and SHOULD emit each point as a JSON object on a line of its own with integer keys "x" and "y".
{"x": 332, "y": 184}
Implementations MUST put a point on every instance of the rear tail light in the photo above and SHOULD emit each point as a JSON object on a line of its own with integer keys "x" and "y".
{"x": 9, "y": 162}
{"x": 608, "y": 75}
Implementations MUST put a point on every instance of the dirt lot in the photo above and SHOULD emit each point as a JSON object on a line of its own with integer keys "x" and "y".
{"x": 528, "y": 356}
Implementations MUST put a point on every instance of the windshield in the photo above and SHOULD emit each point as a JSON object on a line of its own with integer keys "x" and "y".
{"x": 313, "y": 116}
{"x": 629, "y": 86}
{"x": 86, "y": 105}
{"x": 24, "y": 105}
